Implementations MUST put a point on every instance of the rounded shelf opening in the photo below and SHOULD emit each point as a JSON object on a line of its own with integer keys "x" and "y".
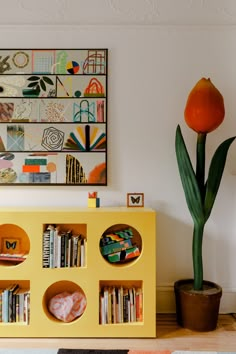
{"x": 64, "y": 301}
{"x": 14, "y": 245}
{"x": 120, "y": 244}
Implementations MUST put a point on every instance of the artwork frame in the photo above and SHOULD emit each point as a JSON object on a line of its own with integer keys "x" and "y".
{"x": 53, "y": 117}
{"x": 135, "y": 200}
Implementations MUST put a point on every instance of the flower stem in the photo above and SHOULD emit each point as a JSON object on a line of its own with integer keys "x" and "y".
{"x": 197, "y": 255}
{"x": 200, "y": 163}
{"x": 200, "y": 222}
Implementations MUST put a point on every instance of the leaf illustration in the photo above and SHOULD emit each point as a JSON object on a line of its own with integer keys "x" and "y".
{"x": 47, "y": 80}
{"x": 42, "y": 84}
{"x": 33, "y": 78}
{"x": 32, "y": 84}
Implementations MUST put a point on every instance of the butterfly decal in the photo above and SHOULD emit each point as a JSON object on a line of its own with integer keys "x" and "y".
{"x": 135, "y": 200}
{"x": 11, "y": 245}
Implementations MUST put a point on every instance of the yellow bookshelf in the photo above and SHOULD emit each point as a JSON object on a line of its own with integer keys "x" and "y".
{"x": 21, "y": 232}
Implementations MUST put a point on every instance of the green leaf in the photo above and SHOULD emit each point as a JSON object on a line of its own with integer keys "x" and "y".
{"x": 33, "y": 78}
{"x": 47, "y": 80}
{"x": 37, "y": 89}
{"x": 42, "y": 84}
{"x": 32, "y": 84}
{"x": 216, "y": 170}
{"x": 188, "y": 178}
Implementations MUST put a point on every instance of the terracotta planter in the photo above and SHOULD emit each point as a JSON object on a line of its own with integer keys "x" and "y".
{"x": 197, "y": 310}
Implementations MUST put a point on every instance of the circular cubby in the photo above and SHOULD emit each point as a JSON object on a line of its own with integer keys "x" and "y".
{"x": 120, "y": 244}
{"x": 14, "y": 245}
{"x": 64, "y": 301}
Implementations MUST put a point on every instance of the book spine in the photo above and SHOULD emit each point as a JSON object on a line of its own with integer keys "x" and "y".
{"x": 46, "y": 248}
{"x": 51, "y": 254}
{"x": 83, "y": 246}
{"x": 139, "y": 305}
{"x": 58, "y": 251}
{"x": 74, "y": 251}
{"x": 63, "y": 240}
{"x": 5, "y": 306}
{"x": 126, "y": 309}
{"x": 1, "y": 292}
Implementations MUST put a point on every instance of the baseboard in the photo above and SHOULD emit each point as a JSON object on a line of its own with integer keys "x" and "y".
{"x": 165, "y": 302}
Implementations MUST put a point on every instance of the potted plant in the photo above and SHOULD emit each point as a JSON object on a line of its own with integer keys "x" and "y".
{"x": 198, "y": 300}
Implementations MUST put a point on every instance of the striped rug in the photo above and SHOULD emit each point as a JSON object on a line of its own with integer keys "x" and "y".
{"x": 99, "y": 351}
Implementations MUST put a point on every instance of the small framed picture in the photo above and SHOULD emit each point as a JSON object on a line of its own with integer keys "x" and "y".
{"x": 135, "y": 199}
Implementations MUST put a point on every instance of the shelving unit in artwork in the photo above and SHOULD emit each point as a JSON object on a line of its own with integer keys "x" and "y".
{"x": 53, "y": 116}
{"x": 132, "y": 271}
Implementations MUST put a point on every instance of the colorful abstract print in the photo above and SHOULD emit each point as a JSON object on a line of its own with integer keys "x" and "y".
{"x": 53, "y": 116}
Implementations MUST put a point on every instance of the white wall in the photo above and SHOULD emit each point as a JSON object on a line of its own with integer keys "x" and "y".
{"x": 158, "y": 50}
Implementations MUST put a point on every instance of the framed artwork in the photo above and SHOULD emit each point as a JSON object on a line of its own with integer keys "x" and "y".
{"x": 10, "y": 245}
{"x": 135, "y": 199}
{"x": 53, "y": 116}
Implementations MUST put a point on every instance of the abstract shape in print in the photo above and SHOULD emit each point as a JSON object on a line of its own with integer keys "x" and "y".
{"x": 20, "y": 59}
{"x": 72, "y": 67}
{"x": 6, "y": 111}
{"x": 55, "y": 112}
{"x": 74, "y": 171}
{"x": 4, "y": 64}
{"x": 98, "y": 175}
{"x": 86, "y": 138}
{"x": 15, "y": 137}
{"x": 23, "y": 110}
{"x": 52, "y": 139}
{"x": 95, "y": 63}
{"x": 94, "y": 89}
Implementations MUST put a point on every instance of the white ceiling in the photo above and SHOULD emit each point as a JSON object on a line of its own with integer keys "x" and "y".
{"x": 118, "y": 12}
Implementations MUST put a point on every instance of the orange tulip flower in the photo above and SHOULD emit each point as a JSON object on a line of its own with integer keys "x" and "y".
{"x": 204, "y": 110}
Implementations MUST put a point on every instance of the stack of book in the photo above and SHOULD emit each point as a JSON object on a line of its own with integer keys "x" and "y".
{"x": 13, "y": 257}
{"x": 63, "y": 248}
{"x": 117, "y": 246}
{"x": 121, "y": 304}
{"x": 14, "y": 304}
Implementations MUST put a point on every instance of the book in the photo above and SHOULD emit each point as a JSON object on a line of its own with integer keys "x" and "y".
{"x": 55, "y": 247}
{"x": 79, "y": 252}
{"x": 63, "y": 247}
{"x": 105, "y": 295}
{"x": 51, "y": 228}
{"x": 123, "y": 255}
{"x": 5, "y": 304}
{"x": 67, "y": 248}
{"x": 120, "y": 305}
{"x": 11, "y": 303}
{"x": 114, "y": 305}
{"x": 126, "y": 306}
{"x": 58, "y": 247}
{"x": 102, "y": 309}
{"x": 1, "y": 291}
{"x": 27, "y": 307}
{"x": 23, "y": 305}
{"x": 46, "y": 248}
{"x": 139, "y": 305}
{"x": 74, "y": 250}
{"x": 83, "y": 252}
{"x": 13, "y": 257}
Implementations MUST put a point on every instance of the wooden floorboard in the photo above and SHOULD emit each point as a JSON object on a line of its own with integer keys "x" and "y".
{"x": 169, "y": 337}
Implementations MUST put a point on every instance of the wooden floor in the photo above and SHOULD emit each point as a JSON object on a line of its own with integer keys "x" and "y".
{"x": 169, "y": 337}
